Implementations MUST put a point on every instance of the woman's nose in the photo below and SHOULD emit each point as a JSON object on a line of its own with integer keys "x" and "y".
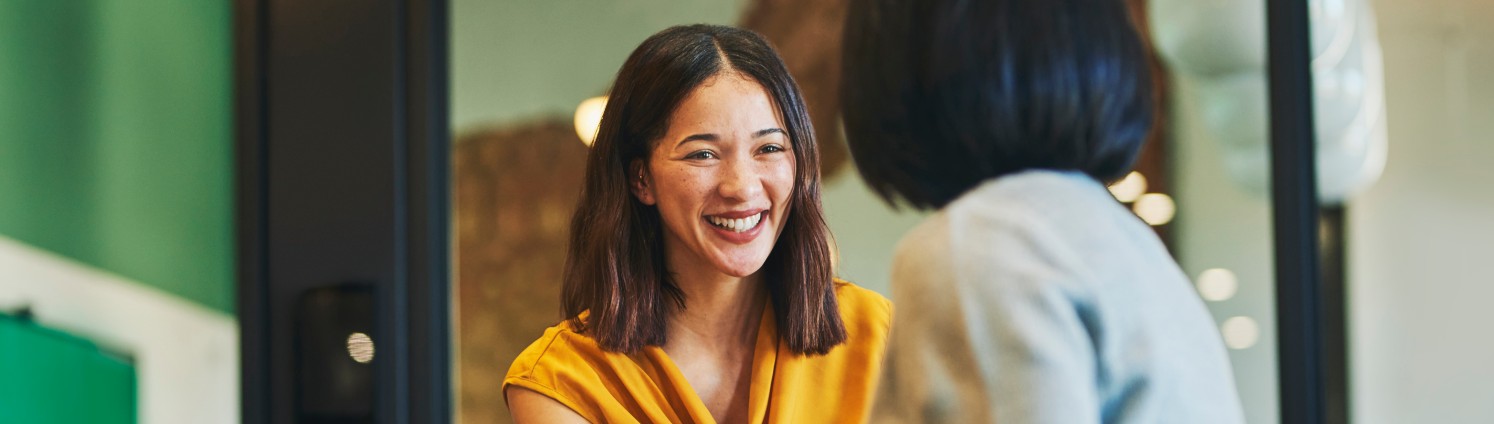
{"x": 742, "y": 181}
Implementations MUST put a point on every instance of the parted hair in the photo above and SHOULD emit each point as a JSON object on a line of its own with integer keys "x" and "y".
{"x": 615, "y": 267}
{"x": 941, "y": 95}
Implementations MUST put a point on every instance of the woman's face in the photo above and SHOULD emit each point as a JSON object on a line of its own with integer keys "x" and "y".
{"x": 721, "y": 178}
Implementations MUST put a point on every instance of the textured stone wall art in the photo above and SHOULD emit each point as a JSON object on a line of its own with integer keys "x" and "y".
{"x": 515, "y": 189}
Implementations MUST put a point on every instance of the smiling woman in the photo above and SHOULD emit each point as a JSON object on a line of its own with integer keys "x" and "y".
{"x": 723, "y": 181}
{"x": 698, "y": 284}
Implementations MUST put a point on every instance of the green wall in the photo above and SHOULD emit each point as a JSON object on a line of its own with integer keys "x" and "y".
{"x": 116, "y": 138}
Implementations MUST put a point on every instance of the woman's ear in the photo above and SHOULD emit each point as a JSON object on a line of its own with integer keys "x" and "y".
{"x": 639, "y": 181}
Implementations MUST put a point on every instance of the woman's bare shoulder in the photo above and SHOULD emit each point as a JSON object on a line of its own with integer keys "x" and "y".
{"x": 529, "y": 406}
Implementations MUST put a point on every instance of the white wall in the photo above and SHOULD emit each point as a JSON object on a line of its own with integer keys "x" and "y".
{"x": 1422, "y": 239}
{"x": 186, "y": 355}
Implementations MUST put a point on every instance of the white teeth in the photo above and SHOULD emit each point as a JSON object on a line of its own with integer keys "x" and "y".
{"x": 738, "y": 224}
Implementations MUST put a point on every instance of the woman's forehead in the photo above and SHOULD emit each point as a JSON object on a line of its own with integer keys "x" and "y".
{"x": 726, "y": 100}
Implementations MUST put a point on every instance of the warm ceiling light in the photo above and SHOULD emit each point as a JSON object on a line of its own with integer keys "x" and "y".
{"x": 1155, "y": 208}
{"x": 1128, "y": 189}
{"x": 589, "y": 117}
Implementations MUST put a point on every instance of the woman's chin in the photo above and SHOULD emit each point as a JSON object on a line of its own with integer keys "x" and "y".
{"x": 740, "y": 268}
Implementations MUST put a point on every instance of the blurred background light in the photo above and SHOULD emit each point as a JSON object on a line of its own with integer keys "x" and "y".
{"x": 1240, "y": 332}
{"x": 589, "y": 117}
{"x": 1130, "y": 188}
{"x": 1155, "y": 208}
{"x": 360, "y": 348}
{"x": 1217, "y": 284}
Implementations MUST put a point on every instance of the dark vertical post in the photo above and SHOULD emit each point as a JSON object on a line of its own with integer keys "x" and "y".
{"x": 428, "y": 194}
{"x": 250, "y": 185}
{"x": 1299, "y": 300}
{"x": 1333, "y": 242}
{"x": 343, "y": 206}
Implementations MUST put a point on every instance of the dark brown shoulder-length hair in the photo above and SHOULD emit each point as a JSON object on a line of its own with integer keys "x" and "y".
{"x": 615, "y": 264}
{"x": 942, "y": 95}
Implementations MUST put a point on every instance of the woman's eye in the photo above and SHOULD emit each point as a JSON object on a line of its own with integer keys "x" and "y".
{"x": 703, "y": 154}
{"x": 771, "y": 148}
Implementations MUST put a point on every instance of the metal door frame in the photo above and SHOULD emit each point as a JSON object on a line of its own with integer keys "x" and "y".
{"x": 343, "y": 150}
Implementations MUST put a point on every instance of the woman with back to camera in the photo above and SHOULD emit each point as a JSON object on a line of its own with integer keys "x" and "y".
{"x": 1031, "y": 295}
{"x": 698, "y": 286}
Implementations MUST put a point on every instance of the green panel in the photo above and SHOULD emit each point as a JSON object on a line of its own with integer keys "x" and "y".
{"x": 49, "y": 377}
{"x": 116, "y": 138}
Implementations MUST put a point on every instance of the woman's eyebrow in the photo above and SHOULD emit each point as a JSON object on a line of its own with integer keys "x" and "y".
{"x": 763, "y": 132}
{"x": 714, "y": 137}
{"x": 701, "y": 137}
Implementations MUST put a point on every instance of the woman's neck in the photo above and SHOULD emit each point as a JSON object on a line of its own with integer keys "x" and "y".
{"x": 712, "y": 340}
{"x": 721, "y": 311}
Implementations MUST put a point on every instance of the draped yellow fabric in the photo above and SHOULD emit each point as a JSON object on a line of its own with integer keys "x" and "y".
{"x": 609, "y": 387}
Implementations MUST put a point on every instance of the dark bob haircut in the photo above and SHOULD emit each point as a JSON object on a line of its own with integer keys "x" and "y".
{"x": 941, "y": 95}
{"x": 615, "y": 265}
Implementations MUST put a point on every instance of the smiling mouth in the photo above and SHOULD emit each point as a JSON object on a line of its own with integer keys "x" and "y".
{"x": 736, "y": 225}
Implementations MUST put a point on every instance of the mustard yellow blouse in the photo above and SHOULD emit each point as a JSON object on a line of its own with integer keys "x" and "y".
{"x": 611, "y": 387}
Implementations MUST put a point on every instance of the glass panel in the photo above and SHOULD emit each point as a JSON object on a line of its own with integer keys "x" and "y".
{"x": 523, "y": 70}
{"x": 1217, "y": 154}
{"x": 1418, "y": 235}
{"x": 519, "y": 71}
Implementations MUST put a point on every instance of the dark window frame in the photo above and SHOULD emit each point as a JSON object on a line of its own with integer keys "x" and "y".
{"x": 342, "y": 154}
{"x": 1311, "y": 326}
